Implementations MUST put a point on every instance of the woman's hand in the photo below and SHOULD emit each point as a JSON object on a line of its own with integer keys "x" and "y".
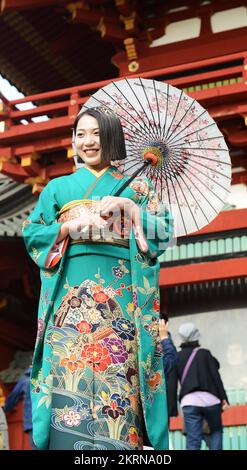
{"x": 114, "y": 205}
{"x": 79, "y": 224}
{"x": 84, "y": 221}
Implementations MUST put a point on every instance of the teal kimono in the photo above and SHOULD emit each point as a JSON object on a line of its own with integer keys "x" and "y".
{"x": 97, "y": 368}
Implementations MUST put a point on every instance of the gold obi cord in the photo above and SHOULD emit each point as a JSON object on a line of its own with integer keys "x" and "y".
{"x": 116, "y": 232}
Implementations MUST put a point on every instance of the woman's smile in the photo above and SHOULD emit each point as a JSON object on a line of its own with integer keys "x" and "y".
{"x": 91, "y": 152}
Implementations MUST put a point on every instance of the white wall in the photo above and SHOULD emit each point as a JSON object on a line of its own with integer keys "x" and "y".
{"x": 190, "y": 28}
{"x": 238, "y": 196}
{"x": 224, "y": 333}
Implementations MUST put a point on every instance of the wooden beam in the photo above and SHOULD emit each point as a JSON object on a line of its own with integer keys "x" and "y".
{"x": 31, "y": 166}
{"x": 13, "y": 170}
{"x": 207, "y": 77}
{"x": 202, "y": 272}
{"x": 223, "y": 111}
{"x": 187, "y": 52}
{"x": 238, "y": 138}
{"x": 13, "y": 5}
{"x": 92, "y": 17}
{"x": 239, "y": 178}
{"x": 44, "y": 144}
{"x": 235, "y": 92}
{"x": 60, "y": 169}
{"x": 33, "y": 131}
{"x": 239, "y": 160}
{"x": 41, "y": 110}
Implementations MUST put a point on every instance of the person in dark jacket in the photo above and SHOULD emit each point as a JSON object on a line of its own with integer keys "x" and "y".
{"x": 22, "y": 389}
{"x": 170, "y": 359}
{"x": 202, "y": 395}
{"x": 170, "y": 355}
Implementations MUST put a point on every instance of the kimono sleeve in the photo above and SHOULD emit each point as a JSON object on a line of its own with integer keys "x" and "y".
{"x": 40, "y": 230}
{"x": 157, "y": 223}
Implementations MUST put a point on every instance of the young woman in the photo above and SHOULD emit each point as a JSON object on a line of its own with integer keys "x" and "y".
{"x": 97, "y": 374}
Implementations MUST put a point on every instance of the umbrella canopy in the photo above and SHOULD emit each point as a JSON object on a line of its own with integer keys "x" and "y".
{"x": 191, "y": 167}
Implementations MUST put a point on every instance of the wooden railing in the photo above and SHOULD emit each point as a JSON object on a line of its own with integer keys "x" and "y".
{"x": 200, "y": 79}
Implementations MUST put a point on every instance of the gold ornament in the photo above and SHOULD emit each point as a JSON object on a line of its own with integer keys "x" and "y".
{"x": 133, "y": 66}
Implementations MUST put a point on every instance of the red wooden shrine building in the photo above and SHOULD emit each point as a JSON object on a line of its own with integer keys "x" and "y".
{"x": 59, "y": 52}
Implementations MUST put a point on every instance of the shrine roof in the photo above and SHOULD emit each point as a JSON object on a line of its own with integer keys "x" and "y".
{"x": 42, "y": 51}
{"x": 16, "y": 203}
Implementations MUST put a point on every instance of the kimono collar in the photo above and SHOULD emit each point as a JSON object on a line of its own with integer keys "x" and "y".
{"x": 96, "y": 173}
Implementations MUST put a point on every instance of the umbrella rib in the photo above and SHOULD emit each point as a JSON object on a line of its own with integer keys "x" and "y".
{"x": 168, "y": 189}
{"x": 186, "y": 198}
{"x": 211, "y": 179}
{"x": 200, "y": 193}
{"x": 204, "y": 166}
{"x": 167, "y": 100}
{"x": 177, "y": 106}
{"x": 178, "y": 205}
{"x": 138, "y": 129}
{"x": 141, "y": 172}
{"x": 147, "y": 128}
{"x": 135, "y": 153}
{"x": 200, "y": 148}
{"x": 135, "y": 136}
{"x": 198, "y": 140}
{"x": 157, "y": 104}
{"x": 132, "y": 166}
{"x": 180, "y": 176}
{"x": 148, "y": 171}
{"x": 207, "y": 158}
{"x": 203, "y": 195}
{"x": 188, "y": 205}
{"x": 168, "y": 135}
{"x": 137, "y": 98}
{"x": 137, "y": 156}
{"x": 155, "y": 132}
{"x": 216, "y": 195}
{"x": 199, "y": 130}
{"x": 154, "y": 177}
{"x": 188, "y": 125}
{"x": 164, "y": 187}
{"x": 161, "y": 182}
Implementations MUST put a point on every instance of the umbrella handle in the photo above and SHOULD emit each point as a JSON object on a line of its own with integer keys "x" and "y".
{"x": 145, "y": 164}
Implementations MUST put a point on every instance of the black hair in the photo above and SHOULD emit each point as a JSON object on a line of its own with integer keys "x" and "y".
{"x": 110, "y": 132}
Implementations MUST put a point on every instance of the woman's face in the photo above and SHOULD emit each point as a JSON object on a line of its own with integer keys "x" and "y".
{"x": 87, "y": 140}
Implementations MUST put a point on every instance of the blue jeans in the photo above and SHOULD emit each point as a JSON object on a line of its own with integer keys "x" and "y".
{"x": 193, "y": 419}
